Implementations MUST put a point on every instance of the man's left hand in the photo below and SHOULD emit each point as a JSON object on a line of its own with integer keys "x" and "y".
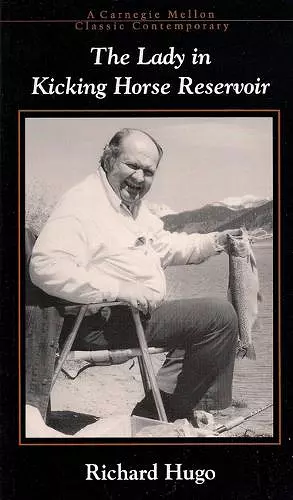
{"x": 222, "y": 240}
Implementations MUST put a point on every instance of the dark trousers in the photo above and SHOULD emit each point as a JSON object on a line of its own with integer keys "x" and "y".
{"x": 199, "y": 334}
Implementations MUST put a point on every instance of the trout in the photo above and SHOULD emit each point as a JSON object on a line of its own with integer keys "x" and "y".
{"x": 243, "y": 290}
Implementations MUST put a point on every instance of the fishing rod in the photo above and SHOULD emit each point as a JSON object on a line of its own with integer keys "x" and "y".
{"x": 239, "y": 420}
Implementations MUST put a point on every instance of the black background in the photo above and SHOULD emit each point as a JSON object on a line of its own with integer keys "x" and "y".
{"x": 246, "y": 51}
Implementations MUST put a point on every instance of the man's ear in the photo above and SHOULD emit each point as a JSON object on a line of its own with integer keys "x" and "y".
{"x": 108, "y": 159}
{"x": 106, "y": 166}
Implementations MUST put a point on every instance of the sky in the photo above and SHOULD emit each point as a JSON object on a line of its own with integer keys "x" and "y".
{"x": 206, "y": 159}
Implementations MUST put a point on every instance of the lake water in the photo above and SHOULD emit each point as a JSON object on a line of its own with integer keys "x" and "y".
{"x": 253, "y": 380}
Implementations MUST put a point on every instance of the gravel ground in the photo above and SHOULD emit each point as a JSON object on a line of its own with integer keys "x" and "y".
{"x": 101, "y": 392}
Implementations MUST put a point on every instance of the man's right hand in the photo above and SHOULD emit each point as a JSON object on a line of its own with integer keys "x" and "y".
{"x": 138, "y": 296}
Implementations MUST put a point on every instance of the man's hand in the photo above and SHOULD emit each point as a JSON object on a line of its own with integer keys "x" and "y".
{"x": 138, "y": 296}
{"x": 222, "y": 239}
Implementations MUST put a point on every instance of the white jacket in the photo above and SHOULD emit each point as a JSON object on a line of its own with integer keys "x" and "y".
{"x": 91, "y": 243}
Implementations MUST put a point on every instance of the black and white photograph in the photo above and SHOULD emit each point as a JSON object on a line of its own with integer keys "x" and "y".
{"x": 148, "y": 297}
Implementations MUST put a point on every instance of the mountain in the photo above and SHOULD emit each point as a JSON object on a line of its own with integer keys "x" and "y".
{"x": 240, "y": 202}
{"x": 160, "y": 209}
{"x": 252, "y": 219}
{"x": 201, "y": 220}
{"x": 219, "y": 217}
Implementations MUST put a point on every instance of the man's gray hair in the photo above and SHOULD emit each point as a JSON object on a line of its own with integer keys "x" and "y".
{"x": 113, "y": 149}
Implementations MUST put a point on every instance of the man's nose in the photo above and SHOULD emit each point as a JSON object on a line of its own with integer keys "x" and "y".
{"x": 138, "y": 175}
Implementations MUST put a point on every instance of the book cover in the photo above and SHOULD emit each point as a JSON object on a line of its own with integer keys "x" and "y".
{"x": 209, "y": 89}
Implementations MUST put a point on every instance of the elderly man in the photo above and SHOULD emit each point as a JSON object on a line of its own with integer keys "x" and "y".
{"x": 101, "y": 243}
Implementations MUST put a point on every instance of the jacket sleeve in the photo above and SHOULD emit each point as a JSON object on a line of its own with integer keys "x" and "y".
{"x": 59, "y": 264}
{"x": 182, "y": 248}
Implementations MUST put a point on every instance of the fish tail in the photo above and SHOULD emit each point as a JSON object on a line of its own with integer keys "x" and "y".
{"x": 246, "y": 351}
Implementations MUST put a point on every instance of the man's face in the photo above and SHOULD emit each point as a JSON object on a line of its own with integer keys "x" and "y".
{"x": 131, "y": 174}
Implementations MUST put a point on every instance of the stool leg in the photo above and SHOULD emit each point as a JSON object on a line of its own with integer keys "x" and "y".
{"x": 144, "y": 377}
{"x": 146, "y": 358}
{"x": 69, "y": 342}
